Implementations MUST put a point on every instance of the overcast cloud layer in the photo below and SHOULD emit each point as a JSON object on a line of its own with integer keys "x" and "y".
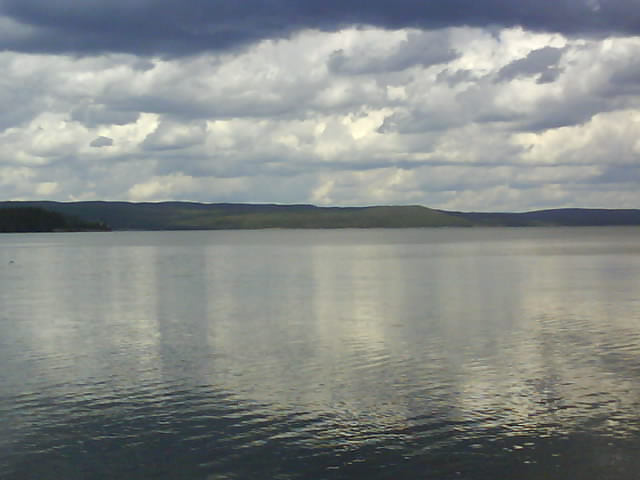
{"x": 485, "y": 105}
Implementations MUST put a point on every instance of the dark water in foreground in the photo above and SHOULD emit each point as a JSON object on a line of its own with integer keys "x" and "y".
{"x": 409, "y": 354}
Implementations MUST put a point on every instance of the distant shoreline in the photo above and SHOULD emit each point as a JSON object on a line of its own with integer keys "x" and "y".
{"x": 179, "y": 216}
{"x": 34, "y": 219}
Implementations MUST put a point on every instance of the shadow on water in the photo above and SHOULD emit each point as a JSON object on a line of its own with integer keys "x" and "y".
{"x": 200, "y": 434}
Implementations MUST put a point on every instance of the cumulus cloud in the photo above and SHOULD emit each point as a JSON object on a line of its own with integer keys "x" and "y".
{"x": 542, "y": 63}
{"x": 417, "y": 48}
{"x": 101, "y": 141}
{"x": 172, "y": 135}
{"x": 95, "y": 115}
{"x": 449, "y": 117}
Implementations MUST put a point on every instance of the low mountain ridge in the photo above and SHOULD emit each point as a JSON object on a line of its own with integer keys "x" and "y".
{"x": 569, "y": 217}
{"x": 212, "y": 216}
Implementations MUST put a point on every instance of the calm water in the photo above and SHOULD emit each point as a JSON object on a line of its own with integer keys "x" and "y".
{"x": 375, "y": 354}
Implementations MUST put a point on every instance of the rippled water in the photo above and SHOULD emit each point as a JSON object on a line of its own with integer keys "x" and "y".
{"x": 377, "y": 354}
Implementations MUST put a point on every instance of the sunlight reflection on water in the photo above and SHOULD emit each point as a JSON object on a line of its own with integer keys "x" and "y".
{"x": 454, "y": 353}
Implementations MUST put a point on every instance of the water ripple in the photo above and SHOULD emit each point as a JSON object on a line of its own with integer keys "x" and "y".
{"x": 212, "y": 360}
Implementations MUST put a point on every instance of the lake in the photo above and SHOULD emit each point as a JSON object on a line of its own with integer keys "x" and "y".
{"x": 482, "y": 353}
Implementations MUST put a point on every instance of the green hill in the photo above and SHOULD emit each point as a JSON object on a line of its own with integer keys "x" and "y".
{"x": 569, "y": 217}
{"x": 198, "y": 216}
{"x": 201, "y": 216}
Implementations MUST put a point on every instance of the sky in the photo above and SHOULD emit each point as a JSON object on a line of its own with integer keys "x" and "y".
{"x": 474, "y": 105}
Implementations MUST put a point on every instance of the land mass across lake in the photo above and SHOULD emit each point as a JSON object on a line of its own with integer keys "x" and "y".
{"x": 23, "y": 219}
{"x": 102, "y": 215}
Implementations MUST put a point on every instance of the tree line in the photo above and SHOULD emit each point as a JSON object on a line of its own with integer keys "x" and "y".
{"x": 33, "y": 219}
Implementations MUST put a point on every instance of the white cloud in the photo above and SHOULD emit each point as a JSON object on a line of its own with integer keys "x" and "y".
{"x": 358, "y": 116}
{"x": 175, "y": 135}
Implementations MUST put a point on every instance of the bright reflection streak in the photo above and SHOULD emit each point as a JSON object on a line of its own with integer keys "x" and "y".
{"x": 391, "y": 333}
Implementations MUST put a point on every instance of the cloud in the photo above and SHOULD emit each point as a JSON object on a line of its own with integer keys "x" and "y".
{"x": 417, "y": 48}
{"x": 542, "y": 63}
{"x": 172, "y": 135}
{"x": 169, "y": 28}
{"x": 96, "y": 115}
{"x": 450, "y": 118}
{"x": 101, "y": 142}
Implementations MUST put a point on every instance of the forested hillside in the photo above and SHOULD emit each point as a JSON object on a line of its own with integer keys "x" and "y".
{"x": 50, "y": 216}
{"x": 34, "y": 219}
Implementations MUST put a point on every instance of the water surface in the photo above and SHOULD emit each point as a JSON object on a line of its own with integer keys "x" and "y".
{"x": 381, "y": 354}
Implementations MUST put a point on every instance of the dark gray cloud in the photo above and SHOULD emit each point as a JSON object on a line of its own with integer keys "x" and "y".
{"x": 170, "y": 28}
{"x": 455, "y": 77}
{"x": 625, "y": 78}
{"x": 101, "y": 141}
{"x": 424, "y": 49}
{"x": 95, "y": 115}
{"x": 542, "y": 63}
{"x": 552, "y": 113}
{"x": 619, "y": 174}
